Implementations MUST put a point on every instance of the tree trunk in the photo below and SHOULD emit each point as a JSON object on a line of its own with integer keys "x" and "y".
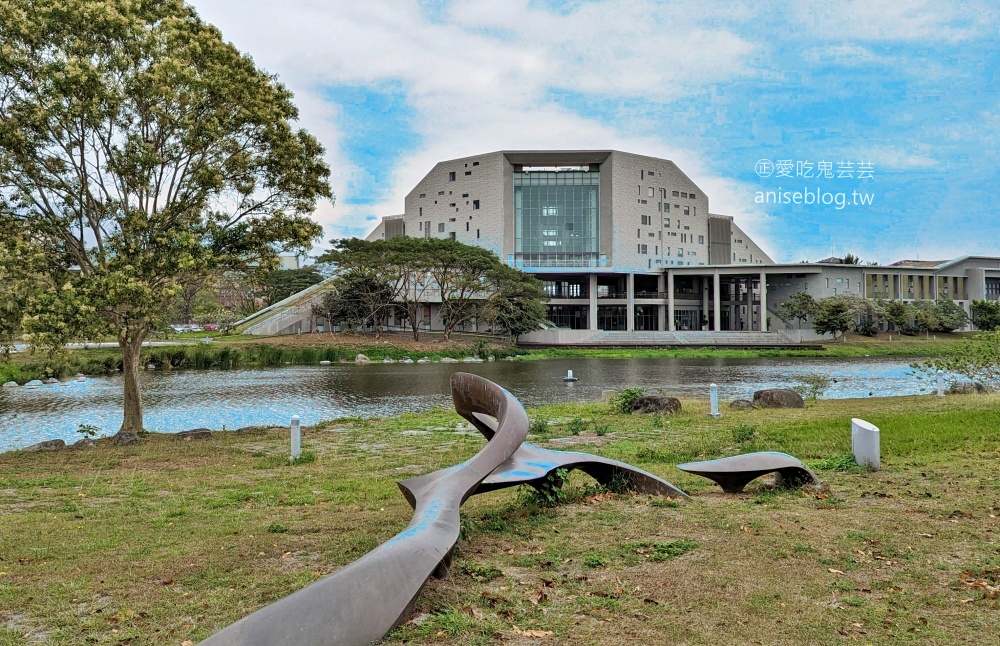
{"x": 130, "y": 342}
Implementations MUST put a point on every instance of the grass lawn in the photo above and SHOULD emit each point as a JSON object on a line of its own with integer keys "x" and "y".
{"x": 168, "y": 541}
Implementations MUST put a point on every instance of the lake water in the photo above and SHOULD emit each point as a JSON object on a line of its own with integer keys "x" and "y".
{"x": 181, "y": 400}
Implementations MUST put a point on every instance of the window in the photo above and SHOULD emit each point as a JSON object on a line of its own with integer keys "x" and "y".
{"x": 441, "y": 227}
{"x": 650, "y": 192}
{"x": 666, "y": 222}
{"x": 692, "y": 196}
{"x": 650, "y": 173}
{"x": 421, "y": 211}
{"x": 680, "y": 252}
{"x": 475, "y": 163}
{"x": 451, "y": 176}
{"x": 466, "y": 226}
{"x": 646, "y": 219}
{"x": 477, "y": 230}
{"x": 452, "y": 204}
{"x": 423, "y": 195}
{"x": 475, "y": 205}
{"x": 675, "y": 194}
{"x": 421, "y": 226}
{"x": 694, "y": 210}
{"x": 468, "y": 172}
{"x": 701, "y": 239}
{"x": 651, "y": 234}
{"x": 684, "y": 194}
{"x": 465, "y": 195}
{"x": 828, "y": 282}
{"x": 687, "y": 210}
{"x": 440, "y": 192}
{"x": 643, "y": 249}
{"x": 452, "y": 235}
{"x": 550, "y": 232}
{"x": 666, "y": 207}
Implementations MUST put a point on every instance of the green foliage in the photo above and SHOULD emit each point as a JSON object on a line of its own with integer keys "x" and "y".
{"x": 621, "y": 402}
{"x": 833, "y": 317}
{"x": 986, "y": 315}
{"x": 950, "y": 316}
{"x": 812, "y": 385}
{"x": 279, "y": 284}
{"x": 88, "y": 430}
{"x": 481, "y": 573}
{"x": 837, "y": 463}
{"x": 538, "y": 426}
{"x": 895, "y": 314}
{"x": 141, "y": 149}
{"x": 277, "y": 528}
{"x": 663, "y": 550}
{"x": 549, "y": 492}
{"x": 576, "y": 426}
{"x": 976, "y": 359}
{"x": 799, "y": 306}
{"x": 744, "y": 433}
{"x": 602, "y": 429}
{"x": 594, "y": 561}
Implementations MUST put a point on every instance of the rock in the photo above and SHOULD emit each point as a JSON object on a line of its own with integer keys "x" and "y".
{"x": 194, "y": 434}
{"x": 423, "y": 360}
{"x": 51, "y": 380}
{"x": 656, "y": 404}
{"x": 406, "y": 360}
{"x": 449, "y": 360}
{"x": 150, "y": 366}
{"x": 388, "y": 360}
{"x": 10, "y": 384}
{"x": 967, "y": 388}
{"x": 361, "y": 358}
{"x": 778, "y": 398}
{"x": 47, "y": 445}
{"x": 124, "y": 438}
{"x": 34, "y": 383}
{"x": 491, "y": 358}
{"x": 741, "y": 404}
{"x": 324, "y": 363}
{"x": 85, "y": 443}
{"x": 472, "y": 360}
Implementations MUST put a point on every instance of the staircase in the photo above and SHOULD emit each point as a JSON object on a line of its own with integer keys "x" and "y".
{"x": 689, "y": 338}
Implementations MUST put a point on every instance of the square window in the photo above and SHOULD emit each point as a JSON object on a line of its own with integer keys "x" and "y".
{"x": 687, "y": 210}
{"x": 692, "y": 196}
{"x": 676, "y": 193}
{"x": 475, "y": 205}
{"x": 441, "y": 227}
{"x": 650, "y": 192}
{"x": 650, "y": 173}
{"x": 468, "y": 172}
{"x": 452, "y": 235}
{"x": 451, "y": 176}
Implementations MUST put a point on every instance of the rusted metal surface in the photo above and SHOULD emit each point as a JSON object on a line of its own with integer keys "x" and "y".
{"x": 363, "y": 601}
{"x": 733, "y": 473}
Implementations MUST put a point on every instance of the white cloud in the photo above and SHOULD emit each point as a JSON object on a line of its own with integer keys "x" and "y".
{"x": 898, "y": 20}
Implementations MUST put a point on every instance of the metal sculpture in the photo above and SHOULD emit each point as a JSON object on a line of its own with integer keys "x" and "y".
{"x": 363, "y": 601}
{"x": 733, "y": 473}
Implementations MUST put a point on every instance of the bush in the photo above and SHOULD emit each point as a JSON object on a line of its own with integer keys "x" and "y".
{"x": 812, "y": 385}
{"x": 622, "y": 401}
{"x": 576, "y": 426}
{"x": 538, "y": 426}
{"x": 744, "y": 433}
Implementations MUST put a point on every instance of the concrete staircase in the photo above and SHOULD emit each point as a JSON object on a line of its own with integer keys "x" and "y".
{"x": 652, "y": 339}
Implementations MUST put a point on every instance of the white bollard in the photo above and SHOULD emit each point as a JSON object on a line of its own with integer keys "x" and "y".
{"x": 865, "y": 444}
{"x": 569, "y": 376}
{"x": 940, "y": 383}
{"x": 714, "y": 400}
{"x": 296, "y": 438}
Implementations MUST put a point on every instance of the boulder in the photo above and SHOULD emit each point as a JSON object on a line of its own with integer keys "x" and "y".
{"x": 967, "y": 388}
{"x": 406, "y": 360}
{"x": 656, "y": 404}
{"x": 84, "y": 443}
{"x": 778, "y": 398}
{"x": 34, "y": 383}
{"x": 361, "y": 358}
{"x": 51, "y": 380}
{"x": 124, "y": 438}
{"x": 325, "y": 362}
{"x": 194, "y": 434}
{"x": 10, "y": 384}
{"x": 741, "y": 404}
{"x": 449, "y": 360}
{"x": 47, "y": 445}
{"x": 388, "y": 360}
{"x": 423, "y": 360}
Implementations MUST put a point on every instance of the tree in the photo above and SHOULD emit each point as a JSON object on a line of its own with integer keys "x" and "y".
{"x": 516, "y": 304}
{"x": 801, "y": 306}
{"x": 922, "y": 316}
{"x": 362, "y": 300}
{"x": 833, "y": 316}
{"x": 895, "y": 314}
{"x": 867, "y": 315}
{"x": 950, "y": 315}
{"x": 278, "y": 284}
{"x": 986, "y": 315}
{"x": 136, "y": 147}
{"x": 977, "y": 359}
{"x": 851, "y": 259}
{"x": 459, "y": 272}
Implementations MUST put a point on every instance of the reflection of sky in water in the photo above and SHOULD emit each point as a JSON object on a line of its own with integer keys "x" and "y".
{"x": 176, "y": 401}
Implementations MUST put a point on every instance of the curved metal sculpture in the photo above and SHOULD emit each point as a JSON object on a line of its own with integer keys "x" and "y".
{"x": 363, "y": 601}
{"x": 733, "y": 473}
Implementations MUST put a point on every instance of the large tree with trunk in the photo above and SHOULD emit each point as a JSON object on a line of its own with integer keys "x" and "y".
{"x": 137, "y": 149}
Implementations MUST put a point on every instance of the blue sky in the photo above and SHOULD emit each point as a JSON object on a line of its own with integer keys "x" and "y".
{"x": 909, "y": 87}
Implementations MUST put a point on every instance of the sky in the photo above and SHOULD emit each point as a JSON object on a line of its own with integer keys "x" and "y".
{"x": 883, "y": 117}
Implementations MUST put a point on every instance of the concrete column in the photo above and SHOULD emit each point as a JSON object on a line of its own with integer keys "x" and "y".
{"x": 763, "y": 302}
{"x": 704, "y": 300}
{"x": 630, "y": 299}
{"x": 592, "y": 303}
{"x": 661, "y": 310}
{"x": 670, "y": 301}
{"x": 717, "y": 305}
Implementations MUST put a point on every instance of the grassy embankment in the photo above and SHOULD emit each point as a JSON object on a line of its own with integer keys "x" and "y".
{"x": 168, "y": 541}
{"x": 256, "y": 352}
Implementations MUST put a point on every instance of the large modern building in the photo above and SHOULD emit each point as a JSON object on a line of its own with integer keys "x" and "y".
{"x": 629, "y": 251}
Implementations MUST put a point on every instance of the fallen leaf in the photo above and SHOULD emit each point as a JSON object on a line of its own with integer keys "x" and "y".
{"x": 832, "y": 571}
{"x": 473, "y": 612}
{"x": 187, "y": 642}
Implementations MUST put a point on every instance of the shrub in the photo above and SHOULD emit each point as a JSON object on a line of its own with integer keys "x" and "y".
{"x": 622, "y": 401}
{"x": 539, "y": 426}
{"x": 576, "y": 426}
{"x": 744, "y": 433}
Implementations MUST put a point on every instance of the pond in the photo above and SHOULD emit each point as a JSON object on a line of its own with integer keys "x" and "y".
{"x": 181, "y": 400}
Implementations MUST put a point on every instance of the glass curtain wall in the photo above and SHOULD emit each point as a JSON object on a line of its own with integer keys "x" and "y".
{"x": 556, "y": 216}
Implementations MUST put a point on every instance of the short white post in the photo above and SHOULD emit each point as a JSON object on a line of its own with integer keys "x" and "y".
{"x": 714, "y": 400}
{"x": 296, "y": 438}
{"x": 865, "y": 443}
{"x": 940, "y": 383}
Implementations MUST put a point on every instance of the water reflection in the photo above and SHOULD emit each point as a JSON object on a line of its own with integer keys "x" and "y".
{"x": 180, "y": 400}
